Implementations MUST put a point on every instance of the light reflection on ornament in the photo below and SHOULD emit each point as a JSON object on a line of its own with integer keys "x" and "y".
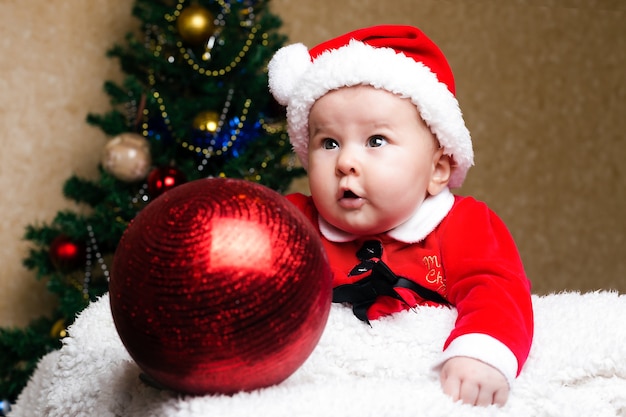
{"x": 229, "y": 235}
{"x": 207, "y": 121}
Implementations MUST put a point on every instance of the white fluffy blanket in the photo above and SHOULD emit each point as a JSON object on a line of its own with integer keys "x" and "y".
{"x": 577, "y": 367}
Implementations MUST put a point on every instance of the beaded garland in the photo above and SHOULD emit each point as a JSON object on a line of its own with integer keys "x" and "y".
{"x": 235, "y": 131}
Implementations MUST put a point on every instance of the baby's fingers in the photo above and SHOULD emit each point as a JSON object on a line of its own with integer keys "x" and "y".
{"x": 451, "y": 386}
{"x": 501, "y": 396}
{"x": 464, "y": 391}
{"x": 472, "y": 392}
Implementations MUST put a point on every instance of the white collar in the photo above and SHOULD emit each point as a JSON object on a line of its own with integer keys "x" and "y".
{"x": 425, "y": 219}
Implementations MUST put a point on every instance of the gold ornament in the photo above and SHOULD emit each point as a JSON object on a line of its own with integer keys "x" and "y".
{"x": 207, "y": 121}
{"x": 58, "y": 330}
{"x": 127, "y": 157}
{"x": 195, "y": 24}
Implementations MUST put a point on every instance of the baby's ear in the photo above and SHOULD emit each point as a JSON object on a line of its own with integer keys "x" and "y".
{"x": 440, "y": 176}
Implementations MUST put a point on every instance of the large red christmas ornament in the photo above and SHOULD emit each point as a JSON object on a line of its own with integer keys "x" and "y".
{"x": 164, "y": 178}
{"x": 66, "y": 254}
{"x": 220, "y": 286}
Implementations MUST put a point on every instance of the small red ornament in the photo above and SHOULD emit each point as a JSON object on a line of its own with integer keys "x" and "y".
{"x": 220, "y": 286}
{"x": 162, "y": 179}
{"x": 66, "y": 254}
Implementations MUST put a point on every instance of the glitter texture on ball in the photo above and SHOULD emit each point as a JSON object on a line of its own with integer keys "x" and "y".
{"x": 220, "y": 286}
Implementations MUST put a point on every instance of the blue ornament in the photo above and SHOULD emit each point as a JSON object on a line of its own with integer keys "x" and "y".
{"x": 5, "y": 407}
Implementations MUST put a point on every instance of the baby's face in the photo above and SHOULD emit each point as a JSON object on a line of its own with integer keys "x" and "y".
{"x": 372, "y": 159}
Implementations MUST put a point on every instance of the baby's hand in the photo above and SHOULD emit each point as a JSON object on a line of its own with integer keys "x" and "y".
{"x": 473, "y": 382}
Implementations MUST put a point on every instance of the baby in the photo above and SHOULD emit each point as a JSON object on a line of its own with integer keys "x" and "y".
{"x": 373, "y": 117}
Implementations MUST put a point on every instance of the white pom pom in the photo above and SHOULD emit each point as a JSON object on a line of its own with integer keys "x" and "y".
{"x": 285, "y": 70}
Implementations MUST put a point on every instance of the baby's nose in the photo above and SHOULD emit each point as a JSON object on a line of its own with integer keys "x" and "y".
{"x": 348, "y": 162}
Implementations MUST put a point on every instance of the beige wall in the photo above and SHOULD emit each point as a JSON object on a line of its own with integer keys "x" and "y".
{"x": 52, "y": 67}
{"x": 542, "y": 85}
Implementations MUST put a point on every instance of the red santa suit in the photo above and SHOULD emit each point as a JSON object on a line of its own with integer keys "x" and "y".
{"x": 457, "y": 247}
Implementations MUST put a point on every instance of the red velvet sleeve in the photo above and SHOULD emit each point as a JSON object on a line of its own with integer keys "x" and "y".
{"x": 485, "y": 278}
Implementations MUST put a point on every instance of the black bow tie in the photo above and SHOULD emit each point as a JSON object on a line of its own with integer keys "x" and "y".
{"x": 380, "y": 282}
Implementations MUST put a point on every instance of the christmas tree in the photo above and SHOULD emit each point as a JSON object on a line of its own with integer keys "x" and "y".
{"x": 193, "y": 104}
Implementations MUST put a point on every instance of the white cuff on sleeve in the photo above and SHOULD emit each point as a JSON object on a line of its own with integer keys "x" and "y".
{"x": 486, "y": 349}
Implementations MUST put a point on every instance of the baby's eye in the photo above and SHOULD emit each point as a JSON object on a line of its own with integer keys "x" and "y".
{"x": 329, "y": 144}
{"x": 376, "y": 141}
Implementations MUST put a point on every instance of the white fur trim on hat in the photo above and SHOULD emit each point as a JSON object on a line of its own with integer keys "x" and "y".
{"x": 297, "y": 82}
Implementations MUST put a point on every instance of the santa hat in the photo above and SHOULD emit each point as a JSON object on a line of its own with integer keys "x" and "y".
{"x": 399, "y": 59}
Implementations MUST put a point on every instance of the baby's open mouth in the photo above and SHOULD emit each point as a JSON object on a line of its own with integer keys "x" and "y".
{"x": 350, "y": 200}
